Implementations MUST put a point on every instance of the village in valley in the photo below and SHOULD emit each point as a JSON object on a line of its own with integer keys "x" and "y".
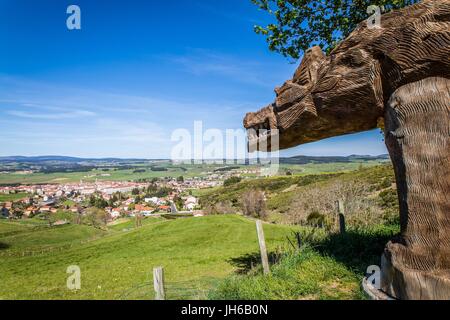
{"x": 116, "y": 199}
{"x": 98, "y": 192}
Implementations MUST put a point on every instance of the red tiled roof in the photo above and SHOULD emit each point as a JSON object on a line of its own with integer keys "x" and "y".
{"x": 139, "y": 207}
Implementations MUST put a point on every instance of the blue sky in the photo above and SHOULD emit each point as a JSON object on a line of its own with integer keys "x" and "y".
{"x": 135, "y": 72}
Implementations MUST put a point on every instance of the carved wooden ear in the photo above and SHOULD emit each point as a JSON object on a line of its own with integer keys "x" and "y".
{"x": 306, "y": 73}
{"x": 277, "y": 90}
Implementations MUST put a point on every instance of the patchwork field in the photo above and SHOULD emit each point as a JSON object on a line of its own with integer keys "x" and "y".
{"x": 173, "y": 170}
{"x": 91, "y": 176}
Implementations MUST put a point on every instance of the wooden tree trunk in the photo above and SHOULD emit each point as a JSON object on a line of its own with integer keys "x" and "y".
{"x": 416, "y": 264}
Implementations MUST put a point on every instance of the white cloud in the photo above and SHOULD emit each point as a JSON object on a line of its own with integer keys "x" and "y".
{"x": 203, "y": 62}
{"x": 51, "y": 116}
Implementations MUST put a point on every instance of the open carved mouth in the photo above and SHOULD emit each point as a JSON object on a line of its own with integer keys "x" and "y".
{"x": 260, "y": 126}
{"x": 258, "y": 131}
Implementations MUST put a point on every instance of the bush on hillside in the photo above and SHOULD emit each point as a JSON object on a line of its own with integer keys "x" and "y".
{"x": 222, "y": 207}
{"x": 95, "y": 217}
{"x": 360, "y": 210}
{"x": 317, "y": 219}
{"x": 254, "y": 204}
{"x": 231, "y": 180}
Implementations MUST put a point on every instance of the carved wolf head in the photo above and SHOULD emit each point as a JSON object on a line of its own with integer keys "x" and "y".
{"x": 345, "y": 92}
{"x": 328, "y": 96}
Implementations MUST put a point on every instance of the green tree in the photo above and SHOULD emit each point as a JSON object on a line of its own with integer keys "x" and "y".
{"x": 231, "y": 180}
{"x": 98, "y": 202}
{"x": 163, "y": 192}
{"x": 300, "y": 24}
{"x": 180, "y": 179}
{"x": 178, "y": 202}
{"x": 151, "y": 190}
{"x": 96, "y": 217}
{"x": 137, "y": 200}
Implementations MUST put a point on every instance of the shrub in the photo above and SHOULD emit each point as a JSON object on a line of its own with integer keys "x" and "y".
{"x": 317, "y": 219}
{"x": 222, "y": 207}
{"x": 360, "y": 210}
{"x": 254, "y": 204}
{"x": 231, "y": 180}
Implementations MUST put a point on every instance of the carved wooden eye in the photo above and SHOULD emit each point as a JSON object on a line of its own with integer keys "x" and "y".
{"x": 289, "y": 94}
{"x": 353, "y": 60}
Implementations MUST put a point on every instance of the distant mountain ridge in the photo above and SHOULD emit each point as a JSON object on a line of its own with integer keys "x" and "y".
{"x": 61, "y": 158}
{"x": 286, "y": 160}
{"x": 328, "y": 159}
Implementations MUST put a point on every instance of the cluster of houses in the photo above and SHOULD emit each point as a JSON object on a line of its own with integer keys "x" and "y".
{"x": 74, "y": 198}
{"x": 81, "y": 188}
{"x": 49, "y": 198}
{"x": 29, "y": 206}
{"x": 153, "y": 205}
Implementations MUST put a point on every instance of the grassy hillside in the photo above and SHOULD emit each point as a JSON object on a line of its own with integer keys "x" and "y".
{"x": 215, "y": 256}
{"x": 195, "y": 252}
{"x": 18, "y": 240}
{"x": 325, "y": 266}
{"x": 209, "y": 257}
{"x": 369, "y": 196}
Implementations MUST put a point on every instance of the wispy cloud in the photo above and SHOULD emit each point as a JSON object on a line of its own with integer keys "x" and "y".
{"x": 201, "y": 62}
{"x": 51, "y": 101}
{"x": 51, "y": 116}
{"x": 46, "y": 118}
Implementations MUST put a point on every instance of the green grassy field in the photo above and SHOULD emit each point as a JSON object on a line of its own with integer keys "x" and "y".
{"x": 195, "y": 252}
{"x": 109, "y": 175}
{"x": 13, "y": 196}
{"x": 91, "y": 176}
{"x": 209, "y": 257}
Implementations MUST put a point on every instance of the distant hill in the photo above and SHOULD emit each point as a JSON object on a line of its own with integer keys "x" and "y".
{"x": 59, "y": 159}
{"x": 285, "y": 160}
{"x": 330, "y": 159}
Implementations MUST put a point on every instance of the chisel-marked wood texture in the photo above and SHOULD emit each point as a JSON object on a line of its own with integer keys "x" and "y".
{"x": 399, "y": 71}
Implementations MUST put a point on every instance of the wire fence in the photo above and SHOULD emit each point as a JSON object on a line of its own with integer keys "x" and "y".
{"x": 180, "y": 290}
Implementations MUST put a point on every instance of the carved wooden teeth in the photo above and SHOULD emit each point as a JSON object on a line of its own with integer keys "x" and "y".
{"x": 257, "y": 132}
{"x": 252, "y": 134}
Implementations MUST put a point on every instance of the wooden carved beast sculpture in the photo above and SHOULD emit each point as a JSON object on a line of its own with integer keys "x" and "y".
{"x": 399, "y": 71}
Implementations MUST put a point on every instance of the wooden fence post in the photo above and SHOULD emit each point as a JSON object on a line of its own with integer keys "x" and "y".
{"x": 262, "y": 247}
{"x": 158, "y": 283}
{"x": 341, "y": 215}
